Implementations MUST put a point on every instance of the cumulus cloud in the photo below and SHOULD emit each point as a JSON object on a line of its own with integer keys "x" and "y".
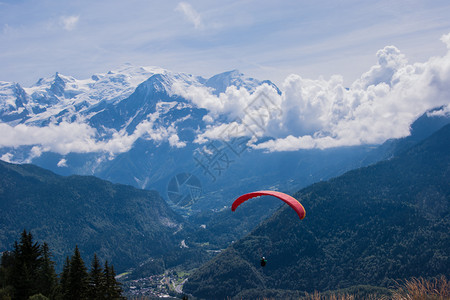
{"x": 174, "y": 141}
{"x": 390, "y": 59}
{"x": 190, "y": 14}
{"x": 322, "y": 113}
{"x": 7, "y": 157}
{"x": 69, "y": 22}
{"x": 446, "y": 40}
{"x": 243, "y": 113}
{"x": 62, "y": 163}
{"x": 64, "y": 138}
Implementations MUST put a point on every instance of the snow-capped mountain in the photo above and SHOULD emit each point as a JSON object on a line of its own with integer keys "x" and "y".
{"x": 134, "y": 125}
{"x": 13, "y": 102}
{"x": 221, "y": 81}
{"x": 65, "y": 97}
{"x": 119, "y": 99}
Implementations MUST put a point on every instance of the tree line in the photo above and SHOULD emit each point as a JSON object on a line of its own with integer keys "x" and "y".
{"x": 28, "y": 272}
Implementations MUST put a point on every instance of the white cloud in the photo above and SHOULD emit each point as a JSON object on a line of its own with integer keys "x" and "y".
{"x": 190, "y": 14}
{"x": 66, "y": 137}
{"x": 62, "y": 138}
{"x": 246, "y": 114}
{"x": 69, "y": 22}
{"x": 444, "y": 111}
{"x": 7, "y": 157}
{"x": 446, "y": 40}
{"x": 390, "y": 59}
{"x": 62, "y": 163}
{"x": 174, "y": 141}
{"x": 36, "y": 151}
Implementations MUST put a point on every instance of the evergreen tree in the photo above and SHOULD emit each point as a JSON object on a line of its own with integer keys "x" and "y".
{"x": 47, "y": 276}
{"x": 107, "y": 280}
{"x": 64, "y": 279}
{"x": 6, "y": 264}
{"x": 78, "y": 278}
{"x": 6, "y": 289}
{"x": 25, "y": 269}
{"x": 116, "y": 289}
{"x": 112, "y": 288}
{"x": 96, "y": 280}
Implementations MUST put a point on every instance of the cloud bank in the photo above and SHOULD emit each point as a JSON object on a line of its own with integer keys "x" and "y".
{"x": 321, "y": 113}
{"x": 64, "y": 138}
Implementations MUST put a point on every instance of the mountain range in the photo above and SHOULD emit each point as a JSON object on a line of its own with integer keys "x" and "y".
{"x": 139, "y": 126}
{"x": 131, "y": 118}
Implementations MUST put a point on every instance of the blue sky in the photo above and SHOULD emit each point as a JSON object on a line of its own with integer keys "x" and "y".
{"x": 263, "y": 39}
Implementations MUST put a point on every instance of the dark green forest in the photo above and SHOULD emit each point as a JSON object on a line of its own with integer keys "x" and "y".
{"x": 28, "y": 272}
{"x": 371, "y": 226}
{"x": 122, "y": 224}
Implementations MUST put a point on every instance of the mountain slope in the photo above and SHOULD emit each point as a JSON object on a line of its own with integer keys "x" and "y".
{"x": 120, "y": 223}
{"x": 371, "y": 226}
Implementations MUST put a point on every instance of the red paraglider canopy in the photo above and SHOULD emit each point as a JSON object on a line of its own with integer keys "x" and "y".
{"x": 291, "y": 201}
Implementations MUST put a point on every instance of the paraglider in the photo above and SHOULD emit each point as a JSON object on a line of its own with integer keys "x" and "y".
{"x": 291, "y": 201}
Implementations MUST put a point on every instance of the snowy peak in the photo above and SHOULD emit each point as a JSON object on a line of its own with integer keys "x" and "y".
{"x": 117, "y": 85}
{"x": 158, "y": 83}
{"x": 58, "y": 85}
{"x": 50, "y": 91}
{"x": 12, "y": 96}
{"x": 156, "y": 95}
{"x": 163, "y": 83}
{"x": 13, "y": 101}
{"x": 221, "y": 81}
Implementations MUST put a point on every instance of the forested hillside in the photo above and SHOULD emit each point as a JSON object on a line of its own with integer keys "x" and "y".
{"x": 120, "y": 223}
{"x": 371, "y": 226}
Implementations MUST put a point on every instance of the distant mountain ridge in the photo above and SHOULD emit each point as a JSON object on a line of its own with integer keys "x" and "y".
{"x": 370, "y": 226}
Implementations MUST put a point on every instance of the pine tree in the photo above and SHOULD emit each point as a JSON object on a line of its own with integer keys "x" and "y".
{"x": 112, "y": 288}
{"x": 26, "y": 263}
{"x": 78, "y": 278}
{"x": 6, "y": 289}
{"x": 96, "y": 280}
{"x": 47, "y": 279}
{"x": 64, "y": 279}
{"x": 107, "y": 281}
{"x": 116, "y": 289}
{"x": 6, "y": 264}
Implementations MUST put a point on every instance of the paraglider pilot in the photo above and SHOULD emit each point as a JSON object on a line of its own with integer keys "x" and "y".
{"x": 263, "y": 261}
